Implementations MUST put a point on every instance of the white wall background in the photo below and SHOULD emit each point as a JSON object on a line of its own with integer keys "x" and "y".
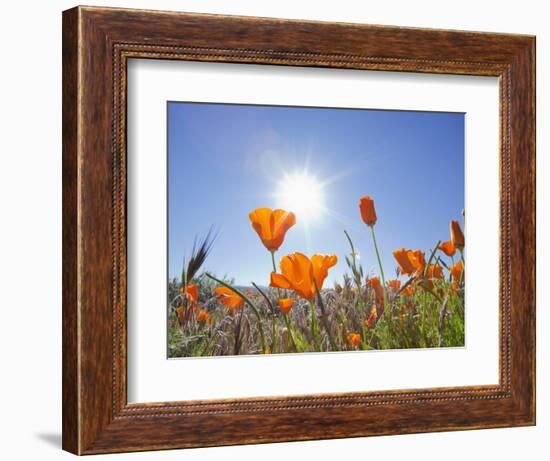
{"x": 30, "y": 228}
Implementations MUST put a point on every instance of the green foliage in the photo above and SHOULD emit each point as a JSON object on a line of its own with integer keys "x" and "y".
{"x": 419, "y": 321}
{"x": 423, "y": 312}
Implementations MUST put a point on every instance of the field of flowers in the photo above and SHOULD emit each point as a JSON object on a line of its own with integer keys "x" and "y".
{"x": 421, "y": 306}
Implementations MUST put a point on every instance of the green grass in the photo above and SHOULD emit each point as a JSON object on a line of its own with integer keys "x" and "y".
{"x": 424, "y": 320}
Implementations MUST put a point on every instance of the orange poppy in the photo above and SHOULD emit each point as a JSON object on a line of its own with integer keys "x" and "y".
{"x": 394, "y": 284}
{"x": 457, "y": 237}
{"x": 303, "y": 275}
{"x": 233, "y": 302}
{"x": 406, "y": 265}
{"x": 204, "y": 316}
{"x": 428, "y": 284}
{"x": 448, "y": 248}
{"x": 453, "y": 288}
{"x": 191, "y": 293}
{"x": 368, "y": 213}
{"x": 410, "y": 262}
{"x": 375, "y": 284}
{"x": 354, "y": 339}
{"x": 272, "y": 225}
{"x": 409, "y": 290}
{"x": 418, "y": 260}
{"x": 285, "y": 305}
{"x": 457, "y": 270}
{"x": 435, "y": 271}
{"x": 181, "y": 313}
{"x": 372, "y": 317}
{"x": 190, "y": 296}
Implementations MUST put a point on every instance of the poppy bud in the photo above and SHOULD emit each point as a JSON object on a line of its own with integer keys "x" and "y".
{"x": 457, "y": 237}
{"x": 368, "y": 213}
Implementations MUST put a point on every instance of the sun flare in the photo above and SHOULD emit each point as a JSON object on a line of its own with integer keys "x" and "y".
{"x": 301, "y": 194}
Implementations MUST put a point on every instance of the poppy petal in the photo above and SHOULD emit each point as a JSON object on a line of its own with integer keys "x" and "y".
{"x": 279, "y": 281}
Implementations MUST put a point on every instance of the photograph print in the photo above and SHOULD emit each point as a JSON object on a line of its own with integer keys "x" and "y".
{"x": 313, "y": 229}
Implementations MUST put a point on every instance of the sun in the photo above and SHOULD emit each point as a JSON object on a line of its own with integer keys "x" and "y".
{"x": 302, "y": 194}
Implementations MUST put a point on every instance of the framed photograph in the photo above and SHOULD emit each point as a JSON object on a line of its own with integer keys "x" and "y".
{"x": 282, "y": 230}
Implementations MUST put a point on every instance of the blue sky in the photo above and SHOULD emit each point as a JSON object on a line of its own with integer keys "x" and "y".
{"x": 226, "y": 160}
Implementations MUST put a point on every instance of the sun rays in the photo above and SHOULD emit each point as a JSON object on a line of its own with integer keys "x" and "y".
{"x": 303, "y": 194}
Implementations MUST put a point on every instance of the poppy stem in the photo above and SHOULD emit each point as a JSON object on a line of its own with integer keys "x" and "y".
{"x": 273, "y": 261}
{"x": 463, "y": 268}
{"x": 364, "y": 334}
{"x": 237, "y": 348}
{"x": 275, "y": 270}
{"x": 270, "y": 304}
{"x": 290, "y": 334}
{"x": 314, "y": 329}
{"x": 426, "y": 269}
{"x": 380, "y": 265}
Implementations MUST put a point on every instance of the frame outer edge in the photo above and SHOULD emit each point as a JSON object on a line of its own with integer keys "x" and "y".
{"x": 70, "y": 191}
{"x": 91, "y": 422}
{"x": 522, "y": 190}
{"x": 528, "y": 71}
{"x": 533, "y": 70}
